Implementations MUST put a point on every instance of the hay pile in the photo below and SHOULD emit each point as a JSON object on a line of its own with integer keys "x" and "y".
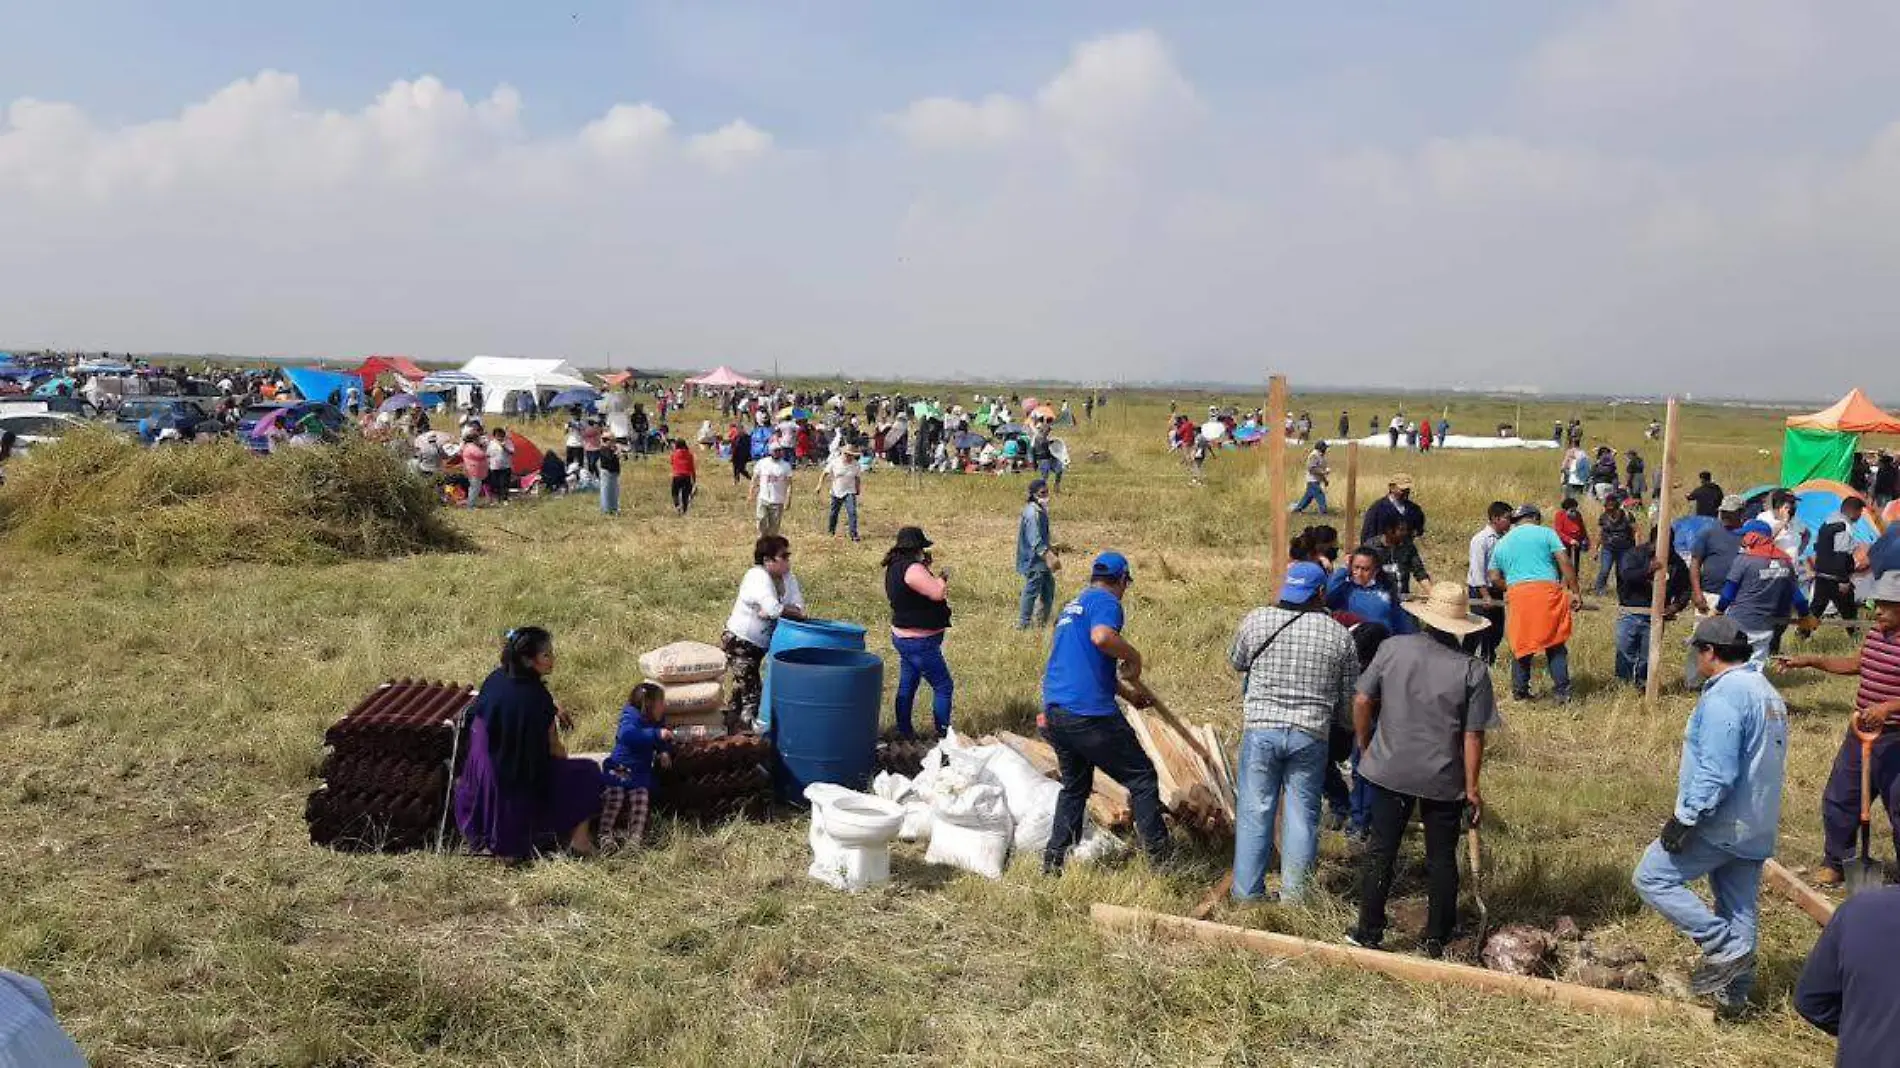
{"x": 101, "y": 495}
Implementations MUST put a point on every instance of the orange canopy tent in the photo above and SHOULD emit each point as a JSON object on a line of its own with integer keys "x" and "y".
{"x": 1822, "y": 445}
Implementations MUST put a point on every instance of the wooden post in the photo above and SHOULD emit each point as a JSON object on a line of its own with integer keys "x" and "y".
{"x": 1790, "y": 886}
{"x": 1399, "y": 965}
{"x": 1276, "y": 478}
{"x": 1352, "y": 490}
{"x": 1665, "y": 500}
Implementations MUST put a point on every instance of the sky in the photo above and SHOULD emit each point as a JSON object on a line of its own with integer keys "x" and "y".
{"x": 1619, "y": 196}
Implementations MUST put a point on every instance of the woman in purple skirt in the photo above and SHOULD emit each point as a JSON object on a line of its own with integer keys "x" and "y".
{"x": 518, "y": 786}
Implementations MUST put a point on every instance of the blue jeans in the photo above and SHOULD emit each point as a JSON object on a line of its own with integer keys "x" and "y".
{"x": 1632, "y": 648}
{"x": 609, "y": 494}
{"x": 1723, "y": 933}
{"x": 1084, "y": 744}
{"x": 1269, "y": 760}
{"x": 1315, "y": 494}
{"x": 848, "y": 504}
{"x": 921, "y": 660}
{"x": 1608, "y": 560}
{"x": 1559, "y": 659}
{"x": 1038, "y": 585}
{"x": 1639, "y": 486}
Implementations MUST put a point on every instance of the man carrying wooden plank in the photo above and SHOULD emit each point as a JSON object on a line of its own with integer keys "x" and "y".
{"x": 1081, "y": 720}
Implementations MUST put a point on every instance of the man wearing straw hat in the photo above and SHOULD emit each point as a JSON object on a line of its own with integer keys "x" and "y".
{"x": 1431, "y": 704}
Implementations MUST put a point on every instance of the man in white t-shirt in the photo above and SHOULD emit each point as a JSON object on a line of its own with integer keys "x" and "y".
{"x": 771, "y": 488}
{"x": 846, "y": 480}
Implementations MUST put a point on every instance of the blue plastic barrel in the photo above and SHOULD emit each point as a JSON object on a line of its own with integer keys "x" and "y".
{"x": 803, "y": 634}
{"x": 826, "y": 728}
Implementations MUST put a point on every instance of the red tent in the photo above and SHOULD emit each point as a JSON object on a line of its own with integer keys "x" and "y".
{"x": 527, "y": 454}
{"x": 401, "y": 366}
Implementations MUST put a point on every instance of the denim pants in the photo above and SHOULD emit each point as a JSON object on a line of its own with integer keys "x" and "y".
{"x": 1632, "y": 647}
{"x": 1038, "y": 586}
{"x": 1315, "y": 494}
{"x": 1840, "y": 798}
{"x": 848, "y": 504}
{"x": 1391, "y": 813}
{"x": 1345, "y": 793}
{"x": 921, "y": 660}
{"x": 1723, "y": 933}
{"x": 609, "y": 494}
{"x": 1483, "y": 644}
{"x": 1608, "y": 560}
{"x": 1270, "y": 759}
{"x": 1558, "y": 657}
{"x": 1084, "y": 744}
{"x": 1639, "y": 486}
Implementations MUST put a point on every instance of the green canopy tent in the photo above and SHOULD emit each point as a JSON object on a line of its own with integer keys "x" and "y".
{"x": 1822, "y": 445}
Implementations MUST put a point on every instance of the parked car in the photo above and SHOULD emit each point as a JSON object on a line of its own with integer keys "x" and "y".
{"x": 329, "y": 415}
{"x": 138, "y": 414}
{"x": 35, "y": 428}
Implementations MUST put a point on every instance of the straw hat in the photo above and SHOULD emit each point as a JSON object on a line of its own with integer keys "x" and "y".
{"x": 1448, "y": 608}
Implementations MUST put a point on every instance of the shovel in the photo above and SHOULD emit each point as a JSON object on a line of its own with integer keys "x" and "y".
{"x": 1474, "y": 850}
{"x": 1863, "y": 872}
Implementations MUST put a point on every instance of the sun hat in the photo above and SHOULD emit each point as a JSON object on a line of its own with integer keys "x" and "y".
{"x": 1887, "y": 587}
{"x": 1448, "y": 608}
{"x": 1110, "y": 565}
{"x": 1400, "y": 481}
{"x": 911, "y": 539}
{"x": 1733, "y": 503}
{"x": 1304, "y": 581}
{"x": 1718, "y": 631}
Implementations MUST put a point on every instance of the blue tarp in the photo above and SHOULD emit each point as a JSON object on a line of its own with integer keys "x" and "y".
{"x": 327, "y": 386}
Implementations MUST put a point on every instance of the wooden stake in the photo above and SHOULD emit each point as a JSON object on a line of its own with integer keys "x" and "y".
{"x": 1276, "y": 479}
{"x": 1665, "y": 500}
{"x": 1790, "y": 886}
{"x": 1352, "y": 488}
{"x": 1399, "y": 965}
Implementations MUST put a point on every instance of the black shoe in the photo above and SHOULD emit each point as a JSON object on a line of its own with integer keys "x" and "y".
{"x": 1433, "y": 948}
{"x": 1713, "y": 977}
{"x": 1355, "y": 938}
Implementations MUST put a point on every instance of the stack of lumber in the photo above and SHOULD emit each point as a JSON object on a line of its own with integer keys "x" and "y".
{"x": 1197, "y": 787}
{"x": 1108, "y": 804}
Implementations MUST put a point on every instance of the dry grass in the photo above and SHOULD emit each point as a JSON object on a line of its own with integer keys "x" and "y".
{"x": 159, "y": 728}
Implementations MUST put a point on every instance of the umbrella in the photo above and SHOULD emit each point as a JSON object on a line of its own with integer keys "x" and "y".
{"x": 789, "y": 412}
{"x": 586, "y": 398}
{"x": 1011, "y": 430}
{"x": 1248, "y": 433}
{"x": 399, "y": 401}
{"x": 1059, "y": 449}
{"x": 1213, "y": 430}
{"x": 269, "y": 421}
{"x": 925, "y": 410}
{"x": 1043, "y": 411}
{"x": 967, "y": 440}
{"x": 51, "y": 388}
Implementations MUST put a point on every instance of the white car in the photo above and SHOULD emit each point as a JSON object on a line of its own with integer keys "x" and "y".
{"x": 33, "y": 428}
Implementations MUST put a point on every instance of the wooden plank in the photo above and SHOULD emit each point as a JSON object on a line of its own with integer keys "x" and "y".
{"x": 1170, "y": 789}
{"x": 1224, "y": 776}
{"x": 1791, "y": 886}
{"x": 1352, "y": 485}
{"x": 1665, "y": 500}
{"x": 1398, "y": 965}
{"x": 1276, "y": 480}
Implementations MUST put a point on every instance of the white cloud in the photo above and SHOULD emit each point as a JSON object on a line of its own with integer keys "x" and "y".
{"x": 732, "y": 145}
{"x": 942, "y": 122}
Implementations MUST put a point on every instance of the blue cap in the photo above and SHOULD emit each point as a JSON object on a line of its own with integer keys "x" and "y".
{"x": 1756, "y": 526}
{"x": 1110, "y": 565}
{"x": 1304, "y": 581}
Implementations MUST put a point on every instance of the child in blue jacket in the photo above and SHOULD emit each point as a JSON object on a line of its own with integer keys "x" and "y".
{"x": 642, "y": 740}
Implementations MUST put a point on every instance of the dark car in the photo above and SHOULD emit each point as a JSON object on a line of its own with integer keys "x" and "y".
{"x": 329, "y": 415}
{"x": 146, "y": 416}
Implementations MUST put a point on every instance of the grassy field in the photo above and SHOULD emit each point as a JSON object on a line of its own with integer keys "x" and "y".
{"x": 159, "y": 729}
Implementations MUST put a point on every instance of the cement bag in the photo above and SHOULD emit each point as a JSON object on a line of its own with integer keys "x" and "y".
{"x": 693, "y": 698}
{"x": 683, "y": 662}
{"x": 898, "y": 788}
{"x": 1031, "y": 796}
{"x": 936, "y": 758}
{"x": 969, "y": 825}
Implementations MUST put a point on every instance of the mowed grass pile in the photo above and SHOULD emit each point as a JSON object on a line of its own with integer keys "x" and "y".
{"x": 160, "y": 727}
{"x": 100, "y": 494}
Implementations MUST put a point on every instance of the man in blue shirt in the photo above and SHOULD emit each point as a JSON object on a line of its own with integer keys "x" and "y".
{"x": 1728, "y": 809}
{"x": 1035, "y": 558}
{"x": 1081, "y": 721}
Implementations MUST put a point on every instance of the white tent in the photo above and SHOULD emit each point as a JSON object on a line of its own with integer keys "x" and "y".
{"x": 504, "y": 377}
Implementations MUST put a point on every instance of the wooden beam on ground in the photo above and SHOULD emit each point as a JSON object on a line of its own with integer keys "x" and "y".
{"x": 1221, "y": 888}
{"x": 1659, "y": 599}
{"x": 1276, "y": 481}
{"x": 1398, "y": 965}
{"x": 1791, "y": 886}
{"x": 1352, "y": 488}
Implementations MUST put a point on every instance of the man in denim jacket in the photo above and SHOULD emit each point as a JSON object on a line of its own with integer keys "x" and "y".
{"x": 1728, "y": 806}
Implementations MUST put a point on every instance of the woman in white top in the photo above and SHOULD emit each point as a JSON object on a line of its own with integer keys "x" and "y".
{"x": 768, "y": 592}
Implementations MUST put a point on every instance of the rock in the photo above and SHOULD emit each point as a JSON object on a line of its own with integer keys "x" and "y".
{"x": 1519, "y": 949}
{"x": 1566, "y": 930}
{"x": 1603, "y": 977}
{"x": 1612, "y": 956}
{"x": 1462, "y": 950}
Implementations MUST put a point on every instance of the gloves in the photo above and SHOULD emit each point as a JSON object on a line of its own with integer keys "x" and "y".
{"x": 1675, "y": 834}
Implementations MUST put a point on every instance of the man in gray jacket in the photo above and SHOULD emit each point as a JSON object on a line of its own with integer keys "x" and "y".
{"x": 1035, "y": 558}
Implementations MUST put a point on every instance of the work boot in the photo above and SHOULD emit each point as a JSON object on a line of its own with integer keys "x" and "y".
{"x": 1828, "y": 876}
{"x": 1364, "y": 941}
{"x": 1715, "y": 976}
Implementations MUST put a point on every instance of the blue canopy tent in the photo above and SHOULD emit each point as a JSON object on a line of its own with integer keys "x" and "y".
{"x": 327, "y": 386}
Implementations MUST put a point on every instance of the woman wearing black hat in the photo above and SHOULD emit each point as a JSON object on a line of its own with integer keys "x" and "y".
{"x": 920, "y": 614}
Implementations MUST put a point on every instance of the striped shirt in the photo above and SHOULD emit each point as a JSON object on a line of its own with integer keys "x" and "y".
{"x": 1879, "y": 669}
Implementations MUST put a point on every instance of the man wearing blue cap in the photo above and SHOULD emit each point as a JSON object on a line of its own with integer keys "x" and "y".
{"x": 1761, "y": 588}
{"x": 1299, "y": 665}
{"x": 1081, "y": 721}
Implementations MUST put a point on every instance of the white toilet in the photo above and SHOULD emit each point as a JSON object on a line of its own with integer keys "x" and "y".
{"x": 851, "y": 836}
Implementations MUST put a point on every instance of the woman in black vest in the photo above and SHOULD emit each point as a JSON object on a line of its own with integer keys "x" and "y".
{"x": 920, "y": 614}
